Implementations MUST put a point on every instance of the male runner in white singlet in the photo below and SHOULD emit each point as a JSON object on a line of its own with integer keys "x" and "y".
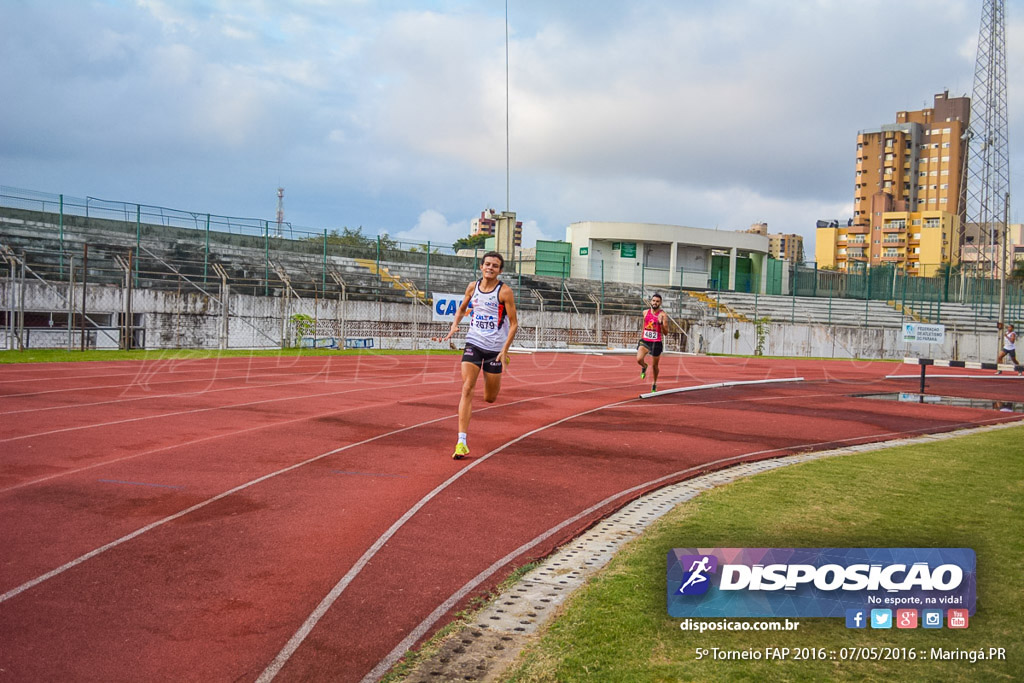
{"x": 492, "y": 327}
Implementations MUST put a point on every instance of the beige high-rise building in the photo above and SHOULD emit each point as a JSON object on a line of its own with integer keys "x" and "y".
{"x": 787, "y": 247}
{"x": 486, "y": 223}
{"x": 914, "y": 166}
{"x": 781, "y": 246}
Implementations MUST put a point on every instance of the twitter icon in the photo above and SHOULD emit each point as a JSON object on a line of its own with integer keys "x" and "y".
{"x": 881, "y": 618}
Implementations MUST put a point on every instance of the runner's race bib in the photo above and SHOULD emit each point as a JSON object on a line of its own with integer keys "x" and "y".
{"x": 650, "y": 335}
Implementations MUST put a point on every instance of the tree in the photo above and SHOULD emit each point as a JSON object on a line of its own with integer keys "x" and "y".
{"x": 355, "y": 238}
{"x": 1018, "y": 270}
{"x": 470, "y": 242}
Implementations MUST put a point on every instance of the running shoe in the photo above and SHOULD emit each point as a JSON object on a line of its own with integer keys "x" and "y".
{"x": 654, "y": 387}
{"x": 643, "y": 373}
{"x": 461, "y": 451}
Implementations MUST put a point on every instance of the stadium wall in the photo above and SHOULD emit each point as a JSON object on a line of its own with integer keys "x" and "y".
{"x": 164, "y": 319}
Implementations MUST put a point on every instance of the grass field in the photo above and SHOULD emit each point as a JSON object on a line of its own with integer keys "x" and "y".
{"x": 965, "y": 492}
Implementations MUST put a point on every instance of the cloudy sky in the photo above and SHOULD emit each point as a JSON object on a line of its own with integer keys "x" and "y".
{"x": 390, "y": 114}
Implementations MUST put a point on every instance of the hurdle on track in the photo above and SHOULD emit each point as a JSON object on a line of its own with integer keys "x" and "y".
{"x": 718, "y": 385}
{"x": 969, "y": 364}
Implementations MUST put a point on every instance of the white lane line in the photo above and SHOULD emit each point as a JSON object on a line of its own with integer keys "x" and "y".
{"x": 311, "y": 379}
{"x": 196, "y": 411}
{"x": 719, "y": 385}
{"x": 399, "y": 650}
{"x": 138, "y": 532}
{"x": 321, "y": 609}
{"x": 213, "y": 437}
{"x": 198, "y": 506}
{"x": 257, "y": 428}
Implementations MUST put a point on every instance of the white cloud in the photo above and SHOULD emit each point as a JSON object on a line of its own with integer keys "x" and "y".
{"x": 433, "y": 227}
{"x": 698, "y": 114}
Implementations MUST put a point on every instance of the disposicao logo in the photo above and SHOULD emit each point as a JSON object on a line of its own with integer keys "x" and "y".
{"x": 817, "y": 582}
{"x": 696, "y": 580}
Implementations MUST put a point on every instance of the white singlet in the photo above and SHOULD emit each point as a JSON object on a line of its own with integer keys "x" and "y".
{"x": 488, "y": 327}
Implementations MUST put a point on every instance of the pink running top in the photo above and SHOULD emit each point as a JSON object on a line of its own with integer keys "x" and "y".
{"x": 652, "y": 327}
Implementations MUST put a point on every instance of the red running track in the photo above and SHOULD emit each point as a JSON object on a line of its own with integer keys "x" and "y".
{"x": 300, "y": 519}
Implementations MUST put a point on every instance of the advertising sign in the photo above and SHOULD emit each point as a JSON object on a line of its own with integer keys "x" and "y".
{"x": 817, "y": 582}
{"x": 445, "y": 306}
{"x": 929, "y": 334}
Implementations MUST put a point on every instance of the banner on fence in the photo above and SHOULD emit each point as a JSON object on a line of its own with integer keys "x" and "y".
{"x": 445, "y": 306}
{"x": 928, "y": 334}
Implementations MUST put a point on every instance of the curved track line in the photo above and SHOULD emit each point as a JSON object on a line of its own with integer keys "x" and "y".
{"x": 208, "y": 380}
{"x": 442, "y": 609}
{"x": 309, "y": 377}
{"x": 321, "y": 609}
{"x": 149, "y": 527}
{"x": 194, "y": 411}
{"x": 203, "y": 439}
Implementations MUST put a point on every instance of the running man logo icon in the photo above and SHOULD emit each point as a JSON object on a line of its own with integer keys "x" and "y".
{"x": 695, "y": 580}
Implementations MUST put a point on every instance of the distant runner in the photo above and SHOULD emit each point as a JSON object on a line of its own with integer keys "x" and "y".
{"x": 492, "y": 328}
{"x": 651, "y": 340}
{"x": 1009, "y": 348}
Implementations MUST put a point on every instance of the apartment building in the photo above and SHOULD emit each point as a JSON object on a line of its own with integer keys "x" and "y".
{"x": 912, "y": 166}
{"x": 916, "y": 242}
{"x": 784, "y": 247}
{"x": 486, "y": 222}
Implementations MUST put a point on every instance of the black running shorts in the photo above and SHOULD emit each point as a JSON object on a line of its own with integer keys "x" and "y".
{"x": 488, "y": 361}
{"x": 654, "y": 347}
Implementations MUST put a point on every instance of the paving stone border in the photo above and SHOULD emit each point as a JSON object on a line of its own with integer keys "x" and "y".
{"x": 483, "y": 650}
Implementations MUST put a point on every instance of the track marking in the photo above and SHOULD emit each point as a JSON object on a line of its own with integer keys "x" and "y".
{"x": 138, "y": 483}
{"x": 399, "y": 650}
{"x": 138, "y": 532}
{"x": 321, "y": 609}
{"x": 719, "y": 385}
{"x": 198, "y": 506}
{"x": 370, "y": 474}
{"x": 204, "y": 410}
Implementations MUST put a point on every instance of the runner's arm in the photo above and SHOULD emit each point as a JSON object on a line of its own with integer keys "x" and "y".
{"x": 461, "y": 313}
{"x": 509, "y": 301}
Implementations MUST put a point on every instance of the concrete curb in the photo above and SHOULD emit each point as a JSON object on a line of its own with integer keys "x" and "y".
{"x": 497, "y": 634}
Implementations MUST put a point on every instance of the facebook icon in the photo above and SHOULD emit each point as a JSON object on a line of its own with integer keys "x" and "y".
{"x": 856, "y": 618}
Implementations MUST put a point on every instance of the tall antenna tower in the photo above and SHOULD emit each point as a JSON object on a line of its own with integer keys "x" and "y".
{"x": 280, "y": 212}
{"x": 988, "y": 174}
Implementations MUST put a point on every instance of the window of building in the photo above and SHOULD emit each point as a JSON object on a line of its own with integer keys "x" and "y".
{"x": 916, "y": 221}
{"x": 945, "y": 158}
{"x": 942, "y": 201}
{"x": 945, "y": 145}
{"x": 945, "y": 171}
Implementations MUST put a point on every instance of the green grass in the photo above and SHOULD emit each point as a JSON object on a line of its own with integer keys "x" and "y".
{"x": 61, "y": 356}
{"x": 965, "y": 492}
